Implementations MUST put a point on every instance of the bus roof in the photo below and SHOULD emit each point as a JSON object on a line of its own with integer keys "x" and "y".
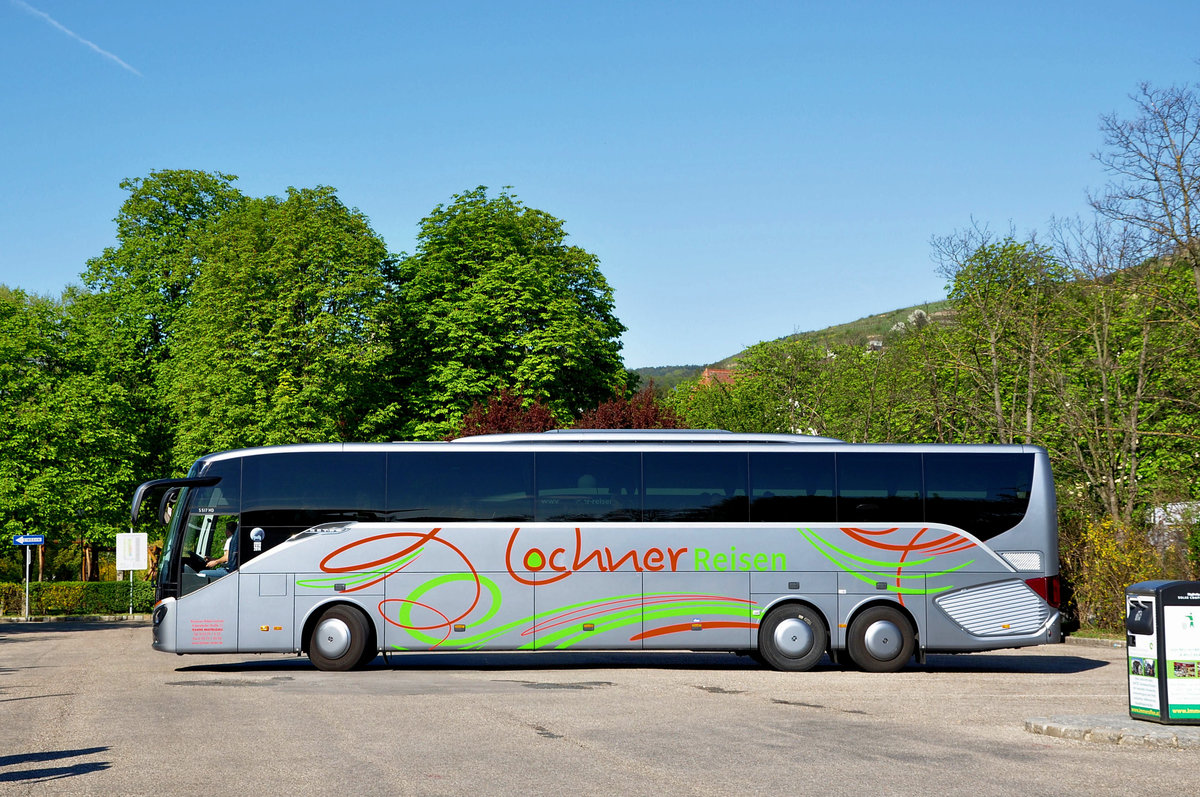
{"x": 644, "y": 436}
{"x": 621, "y": 439}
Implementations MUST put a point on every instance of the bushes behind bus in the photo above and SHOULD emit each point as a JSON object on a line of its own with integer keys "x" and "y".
{"x": 75, "y": 598}
{"x": 1100, "y": 558}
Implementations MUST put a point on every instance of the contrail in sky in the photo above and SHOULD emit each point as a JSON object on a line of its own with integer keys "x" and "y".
{"x": 74, "y": 35}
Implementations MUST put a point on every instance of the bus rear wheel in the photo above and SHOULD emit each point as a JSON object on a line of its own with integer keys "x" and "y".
{"x": 792, "y": 638}
{"x": 881, "y": 639}
{"x": 338, "y": 640}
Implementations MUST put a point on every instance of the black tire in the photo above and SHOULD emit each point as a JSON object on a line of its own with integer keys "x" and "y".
{"x": 338, "y": 640}
{"x": 370, "y": 651}
{"x": 881, "y": 639}
{"x": 792, "y": 638}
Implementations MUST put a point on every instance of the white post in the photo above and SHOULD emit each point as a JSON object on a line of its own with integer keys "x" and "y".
{"x": 27, "y": 558}
{"x": 131, "y": 593}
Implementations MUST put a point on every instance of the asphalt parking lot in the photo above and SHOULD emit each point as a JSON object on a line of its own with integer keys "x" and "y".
{"x": 91, "y": 709}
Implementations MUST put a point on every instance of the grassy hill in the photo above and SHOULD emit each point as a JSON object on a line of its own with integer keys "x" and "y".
{"x": 853, "y": 333}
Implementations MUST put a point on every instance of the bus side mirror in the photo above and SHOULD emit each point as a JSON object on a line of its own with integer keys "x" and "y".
{"x": 166, "y": 505}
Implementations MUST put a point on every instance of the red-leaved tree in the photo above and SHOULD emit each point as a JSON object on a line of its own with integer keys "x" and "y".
{"x": 507, "y": 412}
{"x": 641, "y": 411}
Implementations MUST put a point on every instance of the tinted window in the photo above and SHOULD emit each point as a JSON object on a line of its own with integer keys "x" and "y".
{"x": 304, "y": 489}
{"x": 460, "y": 485}
{"x": 694, "y": 486}
{"x": 581, "y": 486}
{"x": 881, "y": 487}
{"x": 794, "y": 488}
{"x": 222, "y": 498}
{"x": 984, "y": 494}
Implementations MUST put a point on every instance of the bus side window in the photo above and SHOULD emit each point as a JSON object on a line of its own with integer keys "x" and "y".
{"x": 984, "y": 494}
{"x": 792, "y": 487}
{"x": 460, "y": 485}
{"x": 879, "y": 487}
{"x": 299, "y": 490}
{"x": 695, "y": 486}
{"x": 588, "y": 486}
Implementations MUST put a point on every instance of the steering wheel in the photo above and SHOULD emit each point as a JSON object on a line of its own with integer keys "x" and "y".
{"x": 195, "y": 561}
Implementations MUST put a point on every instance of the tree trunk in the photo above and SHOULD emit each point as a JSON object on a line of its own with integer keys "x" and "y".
{"x": 87, "y": 563}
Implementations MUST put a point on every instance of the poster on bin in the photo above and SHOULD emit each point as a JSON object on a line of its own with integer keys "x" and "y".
{"x": 1181, "y": 625}
{"x": 1143, "y": 660}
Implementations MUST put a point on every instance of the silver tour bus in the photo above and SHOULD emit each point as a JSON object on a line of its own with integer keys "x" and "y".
{"x": 785, "y": 547}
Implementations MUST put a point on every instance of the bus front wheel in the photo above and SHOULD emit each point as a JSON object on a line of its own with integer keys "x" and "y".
{"x": 881, "y": 639}
{"x": 339, "y": 639}
{"x": 792, "y": 638}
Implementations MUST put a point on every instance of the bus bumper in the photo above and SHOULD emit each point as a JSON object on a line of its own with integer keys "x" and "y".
{"x": 163, "y": 619}
{"x": 957, "y": 640}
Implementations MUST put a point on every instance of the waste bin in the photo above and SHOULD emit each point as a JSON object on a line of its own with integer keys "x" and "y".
{"x": 1162, "y": 636}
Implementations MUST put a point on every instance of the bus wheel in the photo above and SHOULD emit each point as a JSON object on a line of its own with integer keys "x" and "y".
{"x": 338, "y": 639}
{"x": 881, "y": 639}
{"x": 792, "y": 638}
{"x": 369, "y": 655}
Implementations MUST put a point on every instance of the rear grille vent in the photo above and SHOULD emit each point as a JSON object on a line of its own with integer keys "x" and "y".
{"x": 1023, "y": 560}
{"x": 1003, "y": 609}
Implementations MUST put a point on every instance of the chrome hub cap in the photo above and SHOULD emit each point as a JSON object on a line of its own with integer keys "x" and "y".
{"x": 332, "y": 638}
{"x": 793, "y": 637}
{"x": 883, "y": 640}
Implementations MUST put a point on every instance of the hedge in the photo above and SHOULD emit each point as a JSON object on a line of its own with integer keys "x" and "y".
{"x": 75, "y": 597}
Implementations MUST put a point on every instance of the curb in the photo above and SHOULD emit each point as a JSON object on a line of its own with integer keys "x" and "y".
{"x": 1095, "y": 642}
{"x": 77, "y": 618}
{"x": 1116, "y": 729}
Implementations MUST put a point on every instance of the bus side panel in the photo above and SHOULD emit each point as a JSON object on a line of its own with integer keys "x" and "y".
{"x": 588, "y": 611}
{"x": 456, "y": 610}
{"x": 818, "y": 588}
{"x": 206, "y": 620}
{"x": 854, "y": 592}
{"x": 266, "y": 623}
{"x": 312, "y": 590}
{"x": 697, "y": 611}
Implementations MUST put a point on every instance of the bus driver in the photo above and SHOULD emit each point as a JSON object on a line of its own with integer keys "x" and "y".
{"x": 223, "y": 560}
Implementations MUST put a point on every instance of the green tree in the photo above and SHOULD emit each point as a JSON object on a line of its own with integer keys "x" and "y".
{"x": 1123, "y": 374}
{"x": 873, "y": 396}
{"x": 777, "y": 387}
{"x": 138, "y": 289}
{"x": 801, "y": 387}
{"x": 707, "y": 406}
{"x": 494, "y": 298}
{"x": 160, "y": 230}
{"x": 68, "y": 433}
{"x": 1154, "y": 160}
{"x": 283, "y": 338}
{"x": 28, "y": 358}
{"x": 1003, "y": 293}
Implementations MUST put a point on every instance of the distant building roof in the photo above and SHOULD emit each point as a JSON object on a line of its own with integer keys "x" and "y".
{"x": 723, "y": 376}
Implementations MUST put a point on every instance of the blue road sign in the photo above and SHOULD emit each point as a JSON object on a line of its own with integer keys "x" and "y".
{"x": 29, "y": 539}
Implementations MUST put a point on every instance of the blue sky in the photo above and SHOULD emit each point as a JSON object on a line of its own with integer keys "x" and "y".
{"x": 742, "y": 170}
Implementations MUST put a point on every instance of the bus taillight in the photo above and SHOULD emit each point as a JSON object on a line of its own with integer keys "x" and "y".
{"x": 1049, "y": 587}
